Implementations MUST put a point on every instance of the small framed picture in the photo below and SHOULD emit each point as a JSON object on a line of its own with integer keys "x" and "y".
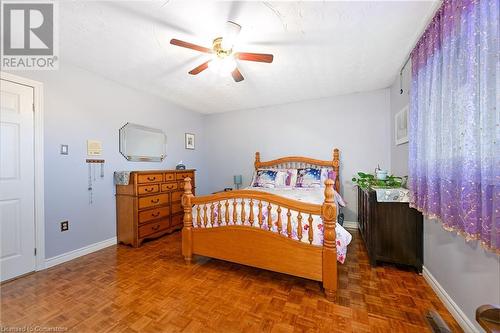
{"x": 189, "y": 141}
{"x": 401, "y": 126}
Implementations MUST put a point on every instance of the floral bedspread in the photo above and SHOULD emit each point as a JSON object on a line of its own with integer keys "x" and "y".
{"x": 311, "y": 195}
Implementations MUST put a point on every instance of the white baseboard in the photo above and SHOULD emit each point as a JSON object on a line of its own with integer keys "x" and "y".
{"x": 350, "y": 224}
{"x": 50, "y": 262}
{"x": 457, "y": 313}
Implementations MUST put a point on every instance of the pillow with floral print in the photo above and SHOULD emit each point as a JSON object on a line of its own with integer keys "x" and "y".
{"x": 286, "y": 177}
{"x": 264, "y": 178}
{"x": 308, "y": 177}
{"x": 327, "y": 173}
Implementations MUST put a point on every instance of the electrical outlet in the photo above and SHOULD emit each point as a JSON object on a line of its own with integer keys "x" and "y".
{"x": 64, "y": 226}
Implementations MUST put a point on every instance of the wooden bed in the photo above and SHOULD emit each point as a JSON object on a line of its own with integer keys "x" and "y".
{"x": 227, "y": 239}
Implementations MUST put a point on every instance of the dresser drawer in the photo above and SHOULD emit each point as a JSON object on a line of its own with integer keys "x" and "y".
{"x": 177, "y": 195}
{"x": 182, "y": 175}
{"x": 177, "y": 219}
{"x": 151, "y": 228}
{"x": 152, "y": 214}
{"x": 153, "y": 200}
{"x": 149, "y": 178}
{"x": 169, "y": 176}
{"x": 177, "y": 208}
{"x": 148, "y": 189}
{"x": 168, "y": 187}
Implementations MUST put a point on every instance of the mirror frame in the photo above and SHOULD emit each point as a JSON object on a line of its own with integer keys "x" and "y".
{"x": 138, "y": 158}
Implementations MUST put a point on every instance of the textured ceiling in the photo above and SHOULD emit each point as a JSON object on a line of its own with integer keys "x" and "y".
{"x": 320, "y": 48}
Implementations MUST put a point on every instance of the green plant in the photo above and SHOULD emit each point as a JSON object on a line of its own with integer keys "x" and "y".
{"x": 365, "y": 180}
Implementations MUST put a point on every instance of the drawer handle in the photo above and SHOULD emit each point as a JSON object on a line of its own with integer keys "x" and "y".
{"x": 156, "y": 227}
{"x": 155, "y": 214}
{"x": 170, "y": 187}
{"x": 149, "y": 189}
{"x": 151, "y": 178}
{"x": 155, "y": 201}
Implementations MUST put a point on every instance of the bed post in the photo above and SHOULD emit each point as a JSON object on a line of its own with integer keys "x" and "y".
{"x": 328, "y": 213}
{"x": 257, "y": 160}
{"x": 187, "y": 230}
{"x": 336, "y": 168}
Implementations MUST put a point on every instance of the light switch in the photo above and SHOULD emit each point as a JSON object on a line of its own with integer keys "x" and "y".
{"x": 64, "y": 149}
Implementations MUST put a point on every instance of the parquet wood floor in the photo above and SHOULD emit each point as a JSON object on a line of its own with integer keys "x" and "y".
{"x": 150, "y": 289}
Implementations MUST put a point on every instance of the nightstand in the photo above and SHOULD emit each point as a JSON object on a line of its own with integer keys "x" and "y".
{"x": 392, "y": 231}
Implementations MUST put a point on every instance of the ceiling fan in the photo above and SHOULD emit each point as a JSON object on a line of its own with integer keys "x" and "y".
{"x": 224, "y": 59}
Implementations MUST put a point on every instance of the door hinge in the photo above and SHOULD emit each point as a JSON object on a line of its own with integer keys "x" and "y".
{"x": 35, "y": 251}
{"x": 33, "y": 105}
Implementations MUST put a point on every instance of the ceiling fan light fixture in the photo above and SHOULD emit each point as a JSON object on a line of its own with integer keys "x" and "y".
{"x": 230, "y": 35}
{"x": 223, "y": 60}
{"x": 222, "y": 66}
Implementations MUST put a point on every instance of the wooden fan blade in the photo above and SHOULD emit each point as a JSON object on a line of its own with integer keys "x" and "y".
{"x": 259, "y": 57}
{"x": 187, "y": 45}
{"x": 237, "y": 75}
{"x": 200, "y": 68}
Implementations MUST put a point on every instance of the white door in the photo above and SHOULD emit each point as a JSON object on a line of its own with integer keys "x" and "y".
{"x": 17, "y": 197}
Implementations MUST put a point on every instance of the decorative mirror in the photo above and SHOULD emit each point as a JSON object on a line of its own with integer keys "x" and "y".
{"x": 143, "y": 144}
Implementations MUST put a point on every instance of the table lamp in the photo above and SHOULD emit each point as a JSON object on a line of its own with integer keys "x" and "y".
{"x": 238, "y": 180}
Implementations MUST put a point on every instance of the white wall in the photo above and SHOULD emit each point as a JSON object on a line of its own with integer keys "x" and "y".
{"x": 399, "y": 153}
{"x": 357, "y": 124}
{"x": 469, "y": 274}
{"x": 79, "y": 106}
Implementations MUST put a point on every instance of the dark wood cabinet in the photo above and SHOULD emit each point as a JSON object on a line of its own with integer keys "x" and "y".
{"x": 392, "y": 231}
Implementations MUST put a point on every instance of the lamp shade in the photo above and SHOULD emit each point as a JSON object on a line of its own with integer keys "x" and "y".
{"x": 238, "y": 180}
{"x": 230, "y": 34}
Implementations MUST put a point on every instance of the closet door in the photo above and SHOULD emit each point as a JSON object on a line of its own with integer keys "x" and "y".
{"x": 17, "y": 222}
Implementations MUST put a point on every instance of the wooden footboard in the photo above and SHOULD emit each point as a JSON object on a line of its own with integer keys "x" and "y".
{"x": 222, "y": 235}
{"x": 259, "y": 248}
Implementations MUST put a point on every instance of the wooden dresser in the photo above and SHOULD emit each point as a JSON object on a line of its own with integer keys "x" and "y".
{"x": 392, "y": 231}
{"x": 150, "y": 205}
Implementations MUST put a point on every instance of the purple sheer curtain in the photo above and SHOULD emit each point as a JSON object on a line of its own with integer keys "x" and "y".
{"x": 454, "y": 121}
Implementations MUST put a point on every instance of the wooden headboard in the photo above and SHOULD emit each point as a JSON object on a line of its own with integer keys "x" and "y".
{"x": 297, "y": 162}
